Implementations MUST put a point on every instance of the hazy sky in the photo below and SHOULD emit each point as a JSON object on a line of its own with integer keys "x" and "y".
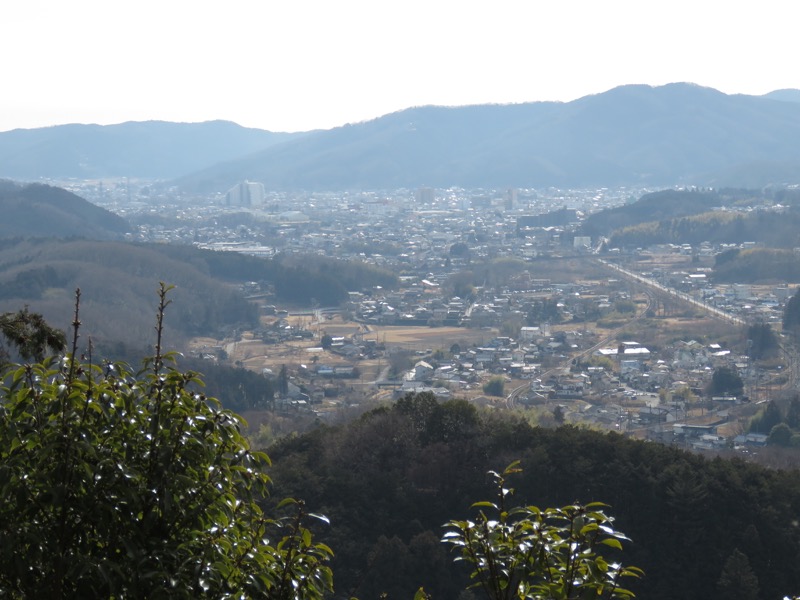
{"x": 297, "y": 65}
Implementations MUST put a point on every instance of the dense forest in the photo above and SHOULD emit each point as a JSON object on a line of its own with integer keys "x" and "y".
{"x": 389, "y": 481}
{"x": 757, "y": 265}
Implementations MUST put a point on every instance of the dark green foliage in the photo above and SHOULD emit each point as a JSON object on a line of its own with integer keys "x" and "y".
{"x": 283, "y": 382}
{"x": 793, "y": 413}
{"x": 30, "y": 336}
{"x": 737, "y": 580}
{"x": 461, "y": 284}
{"x": 524, "y": 552}
{"x": 762, "y": 341}
{"x": 130, "y": 485}
{"x": 237, "y": 389}
{"x": 460, "y": 250}
{"x": 780, "y": 435}
{"x": 385, "y": 475}
{"x": 494, "y": 387}
{"x": 724, "y": 381}
{"x": 558, "y": 415}
{"x": 791, "y": 314}
{"x": 765, "y": 420}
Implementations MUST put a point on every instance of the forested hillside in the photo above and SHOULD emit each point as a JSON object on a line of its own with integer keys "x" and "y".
{"x": 298, "y": 279}
{"x": 775, "y": 229}
{"x": 757, "y": 265}
{"x": 118, "y": 280}
{"x": 657, "y": 206}
{"x": 38, "y": 210}
{"x": 118, "y": 283}
{"x": 391, "y": 479}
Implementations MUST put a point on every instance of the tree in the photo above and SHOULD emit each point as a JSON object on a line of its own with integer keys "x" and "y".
{"x": 326, "y": 342}
{"x": 725, "y": 380}
{"x": 780, "y": 435}
{"x": 135, "y": 485}
{"x": 30, "y": 335}
{"x": 791, "y": 314}
{"x": 283, "y": 382}
{"x": 461, "y": 250}
{"x": 494, "y": 387}
{"x": 737, "y": 580}
{"x": 764, "y": 421}
{"x": 763, "y": 341}
{"x": 530, "y": 553}
{"x": 793, "y": 413}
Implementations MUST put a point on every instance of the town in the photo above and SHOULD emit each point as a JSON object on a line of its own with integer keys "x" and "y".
{"x": 563, "y": 328}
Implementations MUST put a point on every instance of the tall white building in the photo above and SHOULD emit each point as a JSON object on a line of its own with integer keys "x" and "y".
{"x": 247, "y": 193}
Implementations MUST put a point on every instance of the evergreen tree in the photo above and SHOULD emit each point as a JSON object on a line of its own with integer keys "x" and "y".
{"x": 737, "y": 580}
{"x": 725, "y": 380}
{"x": 793, "y": 413}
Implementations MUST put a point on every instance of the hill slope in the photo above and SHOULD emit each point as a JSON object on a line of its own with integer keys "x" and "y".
{"x": 150, "y": 150}
{"x": 631, "y": 134}
{"x": 45, "y": 211}
{"x": 118, "y": 283}
{"x": 389, "y": 480}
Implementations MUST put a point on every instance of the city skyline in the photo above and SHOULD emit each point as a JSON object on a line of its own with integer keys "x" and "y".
{"x": 315, "y": 65}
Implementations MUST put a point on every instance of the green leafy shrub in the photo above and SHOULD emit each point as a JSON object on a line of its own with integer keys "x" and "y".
{"x": 122, "y": 484}
{"x": 540, "y": 554}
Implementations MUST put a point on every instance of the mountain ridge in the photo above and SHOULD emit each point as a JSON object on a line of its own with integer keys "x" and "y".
{"x": 635, "y": 134}
{"x": 145, "y": 149}
{"x": 679, "y": 133}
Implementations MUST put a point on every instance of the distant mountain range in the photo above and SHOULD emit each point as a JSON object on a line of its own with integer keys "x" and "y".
{"x": 631, "y": 135}
{"x": 149, "y": 149}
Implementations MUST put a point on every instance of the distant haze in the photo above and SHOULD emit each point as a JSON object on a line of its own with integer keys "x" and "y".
{"x": 299, "y": 66}
{"x": 631, "y": 135}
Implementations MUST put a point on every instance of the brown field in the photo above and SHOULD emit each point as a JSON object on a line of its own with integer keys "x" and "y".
{"x": 419, "y": 338}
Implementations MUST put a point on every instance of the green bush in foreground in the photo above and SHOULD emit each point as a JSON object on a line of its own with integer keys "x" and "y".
{"x": 130, "y": 485}
{"x": 540, "y": 554}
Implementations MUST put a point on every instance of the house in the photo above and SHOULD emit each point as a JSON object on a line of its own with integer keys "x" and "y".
{"x": 423, "y": 371}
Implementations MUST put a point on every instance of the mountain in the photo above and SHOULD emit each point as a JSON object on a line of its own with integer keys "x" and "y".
{"x": 633, "y": 134}
{"x": 784, "y": 95}
{"x": 38, "y": 210}
{"x": 149, "y": 150}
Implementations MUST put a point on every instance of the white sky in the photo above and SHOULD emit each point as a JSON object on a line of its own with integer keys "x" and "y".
{"x": 293, "y": 65}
